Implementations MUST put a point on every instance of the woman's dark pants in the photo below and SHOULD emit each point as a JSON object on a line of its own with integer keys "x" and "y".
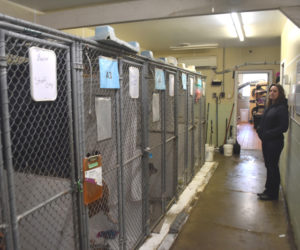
{"x": 271, "y": 152}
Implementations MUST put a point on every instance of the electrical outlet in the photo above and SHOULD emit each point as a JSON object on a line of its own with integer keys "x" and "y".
{"x": 222, "y": 95}
{"x": 214, "y": 95}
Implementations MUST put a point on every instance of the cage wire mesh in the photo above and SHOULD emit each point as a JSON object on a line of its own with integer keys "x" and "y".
{"x": 43, "y": 155}
{"x": 103, "y": 222}
{"x": 197, "y": 140}
{"x": 155, "y": 145}
{"x": 190, "y": 115}
{"x": 181, "y": 119}
{"x": 170, "y": 138}
{"x": 132, "y": 155}
{"x": 203, "y": 129}
{"x": 41, "y": 152}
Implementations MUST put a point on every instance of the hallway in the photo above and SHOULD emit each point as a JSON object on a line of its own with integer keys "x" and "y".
{"x": 228, "y": 215}
{"x": 247, "y": 136}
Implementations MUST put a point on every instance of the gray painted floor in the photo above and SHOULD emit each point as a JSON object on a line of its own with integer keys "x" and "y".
{"x": 228, "y": 215}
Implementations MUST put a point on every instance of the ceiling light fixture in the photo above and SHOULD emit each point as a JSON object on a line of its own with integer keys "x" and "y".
{"x": 236, "y": 19}
{"x": 187, "y": 46}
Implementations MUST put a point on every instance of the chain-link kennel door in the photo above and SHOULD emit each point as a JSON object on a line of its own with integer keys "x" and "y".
{"x": 155, "y": 98}
{"x": 131, "y": 113}
{"x": 182, "y": 132}
{"x": 39, "y": 158}
{"x": 170, "y": 140}
{"x": 101, "y": 111}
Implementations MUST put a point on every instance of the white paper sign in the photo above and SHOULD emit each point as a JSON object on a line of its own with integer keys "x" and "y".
{"x": 95, "y": 174}
{"x": 134, "y": 77}
{"x": 191, "y": 86}
{"x": 103, "y": 117}
{"x": 43, "y": 80}
{"x": 155, "y": 107}
{"x": 171, "y": 85}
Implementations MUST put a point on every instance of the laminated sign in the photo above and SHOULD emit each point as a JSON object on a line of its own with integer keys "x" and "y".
{"x": 134, "y": 76}
{"x": 171, "y": 85}
{"x": 92, "y": 174}
{"x": 184, "y": 80}
{"x": 191, "y": 86}
{"x": 109, "y": 73}
{"x": 160, "y": 79}
{"x": 43, "y": 80}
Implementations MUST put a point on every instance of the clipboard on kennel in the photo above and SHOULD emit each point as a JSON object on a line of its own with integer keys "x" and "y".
{"x": 92, "y": 176}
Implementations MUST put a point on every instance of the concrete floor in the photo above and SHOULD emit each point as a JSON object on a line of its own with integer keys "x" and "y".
{"x": 228, "y": 215}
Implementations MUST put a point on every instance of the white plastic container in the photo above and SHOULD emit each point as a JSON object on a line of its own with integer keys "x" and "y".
{"x": 209, "y": 152}
{"x": 228, "y": 149}
{"x": 244, "y": 115}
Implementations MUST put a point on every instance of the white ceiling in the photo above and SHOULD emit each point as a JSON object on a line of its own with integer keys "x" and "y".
{"x": 48, "y": 6}
{"x": 261, "y": 28}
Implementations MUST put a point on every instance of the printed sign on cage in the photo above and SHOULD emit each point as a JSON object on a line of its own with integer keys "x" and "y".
{"x": 109, "y": 73}
{"x": 43, "y": 76}
{"x": 191, "y": 86}
{"x": 171, "y": 85}
{"x": 134, "y": 76}
{"x": 160, "y": 82}
{"x": 184, "y": 80}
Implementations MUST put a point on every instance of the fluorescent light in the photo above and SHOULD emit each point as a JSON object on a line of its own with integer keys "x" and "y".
{"x": 195, "y": 46}
{"x": 237, "y": 25}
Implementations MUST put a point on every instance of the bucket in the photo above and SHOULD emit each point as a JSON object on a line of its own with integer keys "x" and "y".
{"x": 244, "y": 115}
{"x": 228, "y": 149}
{"x": 209, "y": 152}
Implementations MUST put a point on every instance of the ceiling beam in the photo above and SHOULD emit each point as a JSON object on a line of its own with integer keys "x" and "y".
{"x": 293, "y": 13}
{"x": 140, "y": 10}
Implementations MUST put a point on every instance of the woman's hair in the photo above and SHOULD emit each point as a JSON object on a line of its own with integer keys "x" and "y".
{"x": 281, "y": 95}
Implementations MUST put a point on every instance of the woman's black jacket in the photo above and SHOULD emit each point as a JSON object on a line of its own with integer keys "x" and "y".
{"x": 274, "y": 122}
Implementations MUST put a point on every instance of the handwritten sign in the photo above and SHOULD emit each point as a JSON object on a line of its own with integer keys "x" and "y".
{"x": 43, "y": 80}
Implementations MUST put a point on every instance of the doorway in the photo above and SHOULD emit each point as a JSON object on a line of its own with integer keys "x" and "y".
{"x": 251, "y": 92}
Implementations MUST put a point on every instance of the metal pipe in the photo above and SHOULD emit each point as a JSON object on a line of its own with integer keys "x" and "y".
{"x": 7, "y": 142}
{"x": 73, "y": 164}
{"x": 137, "y": 64}
{"x": 81, "y": 128}
{"x": 53, "y": 198}
{"x": 193, "y": 134}
{"x": 37, "y": 40}
{"x": 186, "y": 136}
{"x": 75, "y": 93}
{"x": 145, "y": 146}
{"x": 175, "y": 177}
{"x": 42, "y": 28}
{"x": 119, "y": 93}
{"x": 132, "y": 159}
{"x": 22, "y": 29}
{"x": 3, "y": 202}
{"x": 163, "y": 148}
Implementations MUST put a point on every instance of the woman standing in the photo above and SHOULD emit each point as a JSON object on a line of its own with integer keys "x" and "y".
{"x": 273, "y": 124}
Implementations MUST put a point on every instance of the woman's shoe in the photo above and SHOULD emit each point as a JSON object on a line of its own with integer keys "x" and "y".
{"x": 264, "y": 192}
{"x": 267, "y": 197}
